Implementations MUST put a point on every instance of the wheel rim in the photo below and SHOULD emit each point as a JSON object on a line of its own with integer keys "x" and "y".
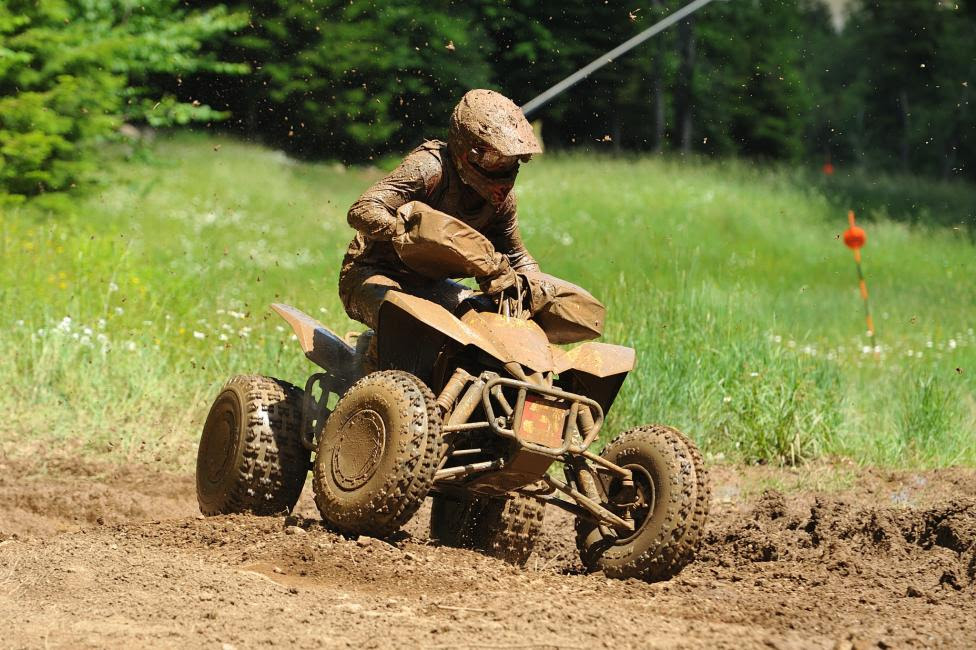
{"x": 358, "y": 449}
{"x": 645, "y": 499}
{"x": 219, "y": 441}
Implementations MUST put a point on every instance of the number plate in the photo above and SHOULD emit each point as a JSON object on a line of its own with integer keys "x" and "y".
{"x": 542, "y": 422}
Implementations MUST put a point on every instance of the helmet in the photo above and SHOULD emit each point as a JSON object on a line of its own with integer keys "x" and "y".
{"x": 488, "y": 138}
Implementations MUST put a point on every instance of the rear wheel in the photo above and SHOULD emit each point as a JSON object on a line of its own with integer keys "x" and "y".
{"x": 669, "y": 506}
{"x": 251, "y": 457}
{"x": 376, "y": 458}
{"x": 506, "y": 528}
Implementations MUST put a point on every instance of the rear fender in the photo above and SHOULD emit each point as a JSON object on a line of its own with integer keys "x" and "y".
{"x": 322, "y": 346}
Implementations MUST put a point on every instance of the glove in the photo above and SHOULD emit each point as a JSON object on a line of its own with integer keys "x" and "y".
{"x": 501, "y": 278}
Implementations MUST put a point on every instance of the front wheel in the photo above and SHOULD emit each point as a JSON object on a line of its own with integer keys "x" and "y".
{"x": 669, "y": 506}
{"x": 377, "y": 456}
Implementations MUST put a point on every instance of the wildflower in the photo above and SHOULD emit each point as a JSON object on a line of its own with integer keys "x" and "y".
{"x": 20, "y": 323}
{"x": 101, "y": 323}
{"x": 199, "y": 335}
{"x": 65, "y": 324}
{"x": 112, "y": 287}
{"x": 277, "y": 327}
{"x": 753, "y": 374}
{"x": 952, "y": 343}
{"x": 87, "y": 331}
{"x": 566, "y": 239}
{"x": 778, "y": 338}
{"x": 130, "y": 346}
{"x": 727, "y": 399}
{"x": 119, "y": 311}
{"x": 223, "y": 337}
{"x": 928, "y": 344}
{"x": 867, "y": 349}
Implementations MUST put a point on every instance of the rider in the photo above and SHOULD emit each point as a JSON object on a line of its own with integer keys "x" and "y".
{"x": 470, "y": 177}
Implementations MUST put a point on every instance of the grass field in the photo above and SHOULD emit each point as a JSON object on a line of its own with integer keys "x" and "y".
{"x": 123, "y": 310}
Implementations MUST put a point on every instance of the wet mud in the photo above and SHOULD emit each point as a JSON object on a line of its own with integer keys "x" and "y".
{"x": 103, "y": 559}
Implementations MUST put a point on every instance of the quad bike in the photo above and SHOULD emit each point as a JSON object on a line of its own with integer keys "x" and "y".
{"x": 474, "y": 408}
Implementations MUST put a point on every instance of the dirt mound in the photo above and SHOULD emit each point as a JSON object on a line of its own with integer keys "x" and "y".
{"x": 935, "y": 545}
{"x": 889, "y": 563}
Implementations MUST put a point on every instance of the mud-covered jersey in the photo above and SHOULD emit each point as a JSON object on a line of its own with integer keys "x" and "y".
{"x": 428, "y": 175}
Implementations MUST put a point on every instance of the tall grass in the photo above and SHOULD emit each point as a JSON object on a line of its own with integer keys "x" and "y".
{"x": 124, "y": 311}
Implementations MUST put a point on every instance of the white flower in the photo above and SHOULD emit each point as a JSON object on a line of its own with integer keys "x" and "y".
{"x": 199, "y": 335}
{"x": 778, "y": 338}
{"x": 727, "y": 399}
{"x": 952, "y": 343}
{"x": 65, "y": 324}
{"x": 566, "y": 239}
{"x": 753, "y": 374}
{"x": 87, "y": 331}
{"x": 279, "y": 328}
{"x": 130, "y": 346}
{"x": 911, "y": 353}
{"x": 928, "y": 344}
{"x": 20, "y": 323}
{"x": 101, "y": 323}
{"x": 223, "y": 337}
{"x": 866, "y": 349}
{"x": 112, "y": 287}
{"x": 119, "y": 311}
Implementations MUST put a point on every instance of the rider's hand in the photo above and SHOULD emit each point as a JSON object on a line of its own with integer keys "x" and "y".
{"x": 503, "y": 277}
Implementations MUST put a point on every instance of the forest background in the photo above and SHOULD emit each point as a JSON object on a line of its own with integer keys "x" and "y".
{"x": 880, "y": 85}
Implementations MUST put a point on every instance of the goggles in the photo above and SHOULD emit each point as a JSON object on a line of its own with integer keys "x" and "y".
{"x": 494, "y": 163}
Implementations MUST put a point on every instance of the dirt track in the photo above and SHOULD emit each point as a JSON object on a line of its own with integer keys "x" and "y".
{"x": 116, "y": 561}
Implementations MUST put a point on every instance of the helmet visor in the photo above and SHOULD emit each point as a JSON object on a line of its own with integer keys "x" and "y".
{"x": 493, "y": 163}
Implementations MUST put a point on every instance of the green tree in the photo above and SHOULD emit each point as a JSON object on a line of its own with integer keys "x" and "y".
{"x": 72, "y": 72}
{"x": 349, "y": 79}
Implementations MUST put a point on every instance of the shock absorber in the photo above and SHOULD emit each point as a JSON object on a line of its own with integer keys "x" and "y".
{"x": 452, "y": 390}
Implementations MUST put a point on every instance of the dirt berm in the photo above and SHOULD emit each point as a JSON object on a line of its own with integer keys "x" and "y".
{"x": 89, "y": 559}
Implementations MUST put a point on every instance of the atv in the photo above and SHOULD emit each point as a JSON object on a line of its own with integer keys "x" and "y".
{"x": 479, "y": 409}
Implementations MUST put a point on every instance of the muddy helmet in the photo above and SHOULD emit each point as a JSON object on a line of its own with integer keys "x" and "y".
{"x": 487, "y": 139}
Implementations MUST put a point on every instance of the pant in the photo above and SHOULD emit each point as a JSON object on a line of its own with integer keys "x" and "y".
{"x": 362, "y": 289}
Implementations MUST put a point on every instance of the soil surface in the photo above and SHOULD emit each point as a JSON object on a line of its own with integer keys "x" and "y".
{"x": 95, "y": 558}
